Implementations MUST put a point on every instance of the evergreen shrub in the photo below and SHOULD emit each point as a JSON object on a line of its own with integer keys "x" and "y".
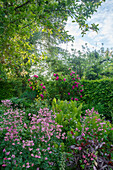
{"x": 98, "y": 94}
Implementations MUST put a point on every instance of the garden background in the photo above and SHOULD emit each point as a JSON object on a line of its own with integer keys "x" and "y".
{"x": 56, "y": 106}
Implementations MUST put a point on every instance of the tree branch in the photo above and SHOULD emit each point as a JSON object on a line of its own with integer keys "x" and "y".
{"x": 27, "y": 2}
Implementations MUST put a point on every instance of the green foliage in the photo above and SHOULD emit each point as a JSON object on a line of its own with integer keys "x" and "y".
{"x": 10, "y": 89}
{"x": 99, "y": 93}
{"x": 68, "y": 114}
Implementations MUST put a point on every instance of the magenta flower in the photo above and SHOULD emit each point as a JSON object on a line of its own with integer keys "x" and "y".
{"x": 54, "y": 74}
{"x": 29, "y": 79}
{"x": 44, "y": 87}
{"x": 57, "y": 78}
{"x": 76, "y": 99}
{"x": 72, "y": 98}
{"x": 4, "y": 165}
{"x": 73, "y": 72}
{"x": 42, "y": 95}
{"x": 64, "y": 79}
{"x": 77, "y": 85}
{"x": 81, "y": 96}
{"x": 73, "y": 87}
{"x": 70, "y": 74}
{"x": 41, "y": 84}
{"x": 68, "y": 93}
{"x": 81, "y": 90}
{"x": 31, "y": 87}
{"x": 73, "y": 78}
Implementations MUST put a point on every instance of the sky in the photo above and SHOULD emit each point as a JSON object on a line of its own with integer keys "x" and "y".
{"x": 103, "y": 17}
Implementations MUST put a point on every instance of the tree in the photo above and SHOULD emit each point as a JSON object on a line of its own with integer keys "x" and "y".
{"x": 19, "y": 19}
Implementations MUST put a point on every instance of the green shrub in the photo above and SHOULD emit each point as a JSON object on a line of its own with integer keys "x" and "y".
{"x": 98, "y": 94}
{"x": 68, "y": 114}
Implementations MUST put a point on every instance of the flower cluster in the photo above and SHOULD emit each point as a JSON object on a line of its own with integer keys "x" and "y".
{"x": 69, "y": 86}
{"x": 30, "y": 143}
{"x": 36, "y": 85}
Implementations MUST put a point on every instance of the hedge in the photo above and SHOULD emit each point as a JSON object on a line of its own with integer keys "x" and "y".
{"x": 99, "y": 94}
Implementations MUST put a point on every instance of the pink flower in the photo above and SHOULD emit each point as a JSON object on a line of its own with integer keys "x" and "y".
{"x": 29, "y": 79}
{"x": 77, "y": 85}
{"x": 81, "y": 90}
{"x": 4, "y": 150}
{"x": 46, "y": 158}
{"x": 81, "y": 96}
{"x": 31, "y": 87}
{"x": 57, "y": 78}
{"x": 54, "y": 74}
{"x": 7, "y": 153}
{"x": 68, "y": 93}
{"x": 13, "y": 156}
{"x": 64, "y": 79}
{"x": 76, "y": 99}
{"x": 79, "y": 148}
{"x": 72, "y": 98}
{"x": 43, "y": 87}
{"x": 41, "y": 84}
{"x": 73, "y": 72}
{"x": 83, "y": 156}
{"x": 42, "y": 95}
{"x": 4, "y": 165}
{"x": 73, "y": 87}
{"x": 73, "y": 78}
{"x": 70, "y": 74}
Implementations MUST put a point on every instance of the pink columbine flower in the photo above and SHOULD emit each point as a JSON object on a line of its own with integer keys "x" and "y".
{"x": 57, "y": 78}
{"x": 64, "y": 79}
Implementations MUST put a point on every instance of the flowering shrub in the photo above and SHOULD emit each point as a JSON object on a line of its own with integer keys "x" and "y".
{"x": 93, "y": 149}
{"x": 68, "y": 87}
{"x": 30, "y": 143}
{"x": 36, "y": 85}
